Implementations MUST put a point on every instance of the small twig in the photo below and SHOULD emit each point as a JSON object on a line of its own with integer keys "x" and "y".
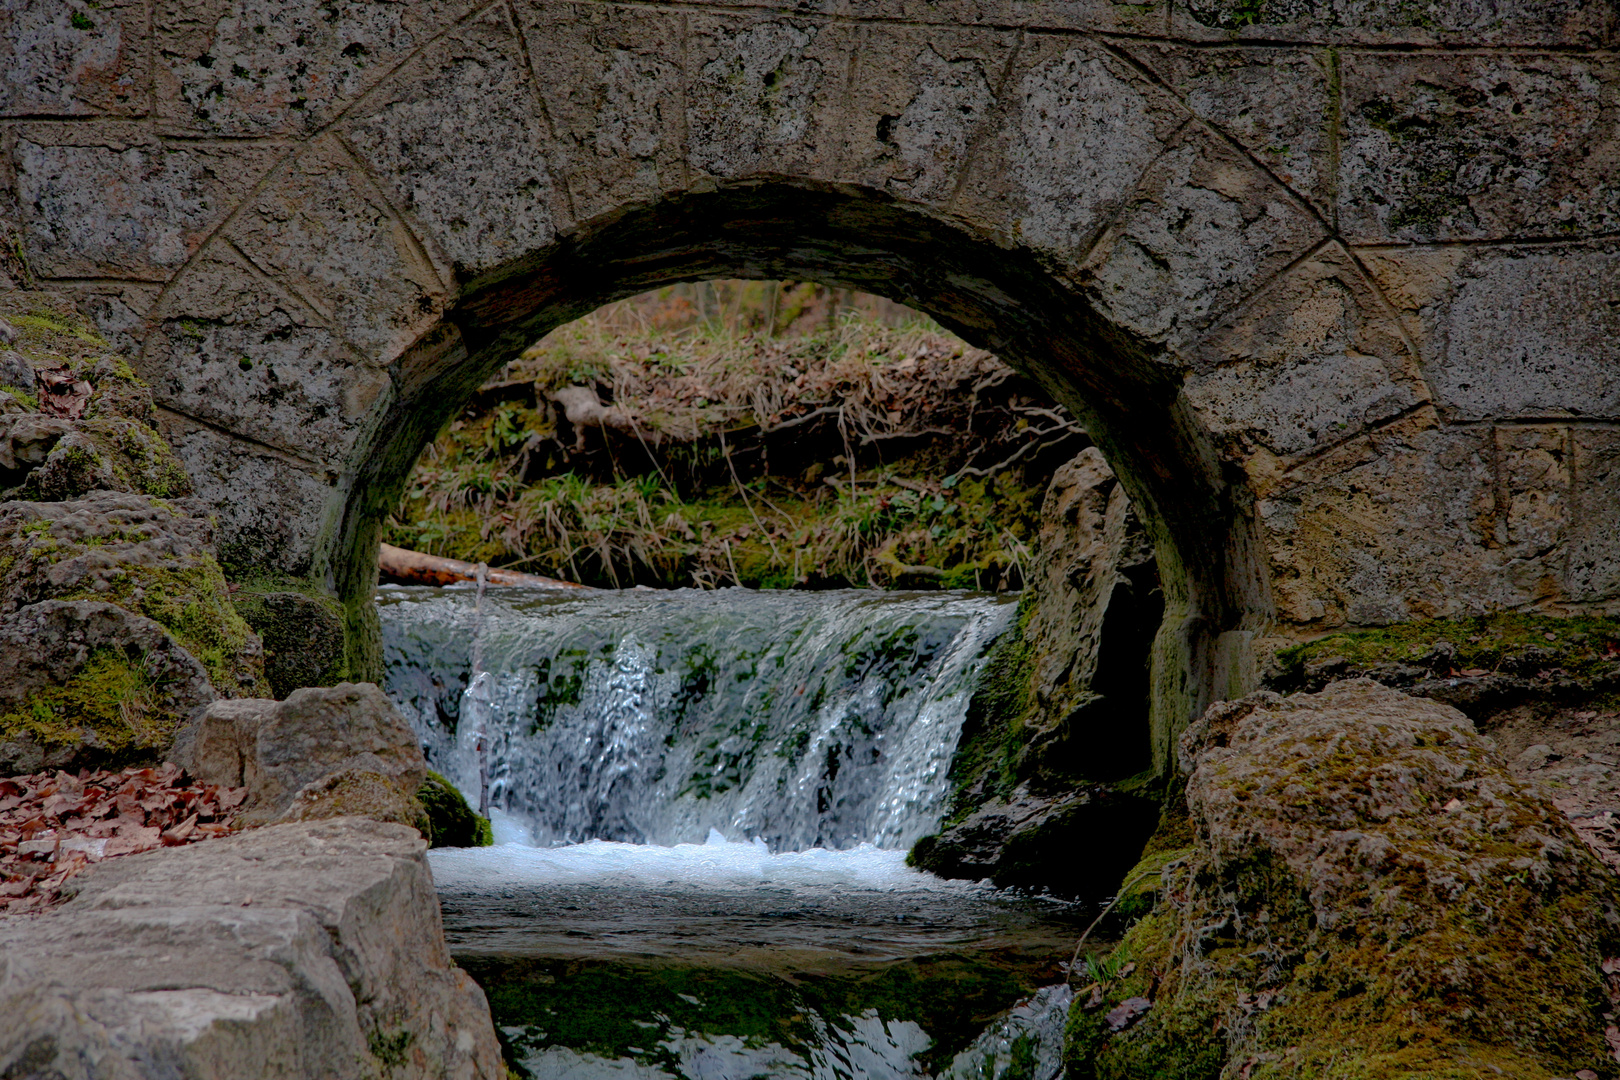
{"x": 1129, "y": 885}
{"x": 1020, "y": 452}
{"x": 826, "y": 410}
{"x": 776, "y": 556}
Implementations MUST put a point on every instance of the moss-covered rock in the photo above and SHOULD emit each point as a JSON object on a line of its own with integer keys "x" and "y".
{"x": 302, "y": 634}
{"x": 358, "y": 793}
{"x": 1368, "y": 894}
{"x": 142, "y": 554}
{"x": 90, "y": 684}
{"x": 452, "y": 822}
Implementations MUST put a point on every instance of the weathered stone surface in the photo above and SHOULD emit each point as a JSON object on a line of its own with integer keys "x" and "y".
{"x": 1308, "y": 364}
{"x": 302, "y": 635}
{"x": 1511, "y": 332}
{"x": 74, "y": 59}
{"x": 1580, "y": 23}
{"x": 301, "y": 757}
{"x": 144, "y": 555}
{"x": 1202, "y": 230}
{"x": 113, "y": 201}
{"x": 303, "y": 950}
{"x": 236, "y": 68}
{"x": 233, "y": 350}
{"x": 1367, "y": 889}
{"x": 280, "y": 500}
{"x": 84, "y": 683}
{"x": 324, "y": 230}
{"x": 490, "y": 199}
{"x": 1499, "y": 145}
{"x": 1272, "y": 101}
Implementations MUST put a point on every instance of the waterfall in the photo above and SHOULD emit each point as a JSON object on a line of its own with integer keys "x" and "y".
{"x": 808, "y": 720}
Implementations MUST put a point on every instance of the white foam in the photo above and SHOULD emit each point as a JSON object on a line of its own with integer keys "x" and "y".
{"x": 717, "y": 864}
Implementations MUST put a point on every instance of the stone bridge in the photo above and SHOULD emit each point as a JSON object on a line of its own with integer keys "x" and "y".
{"x": 1334, "y": 283}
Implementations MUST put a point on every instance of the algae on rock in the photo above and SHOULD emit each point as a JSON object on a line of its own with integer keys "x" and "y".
{"x": 1368, "y": 893}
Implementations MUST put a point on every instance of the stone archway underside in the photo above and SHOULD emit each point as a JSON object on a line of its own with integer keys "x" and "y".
{"x": 1336, "y": 293}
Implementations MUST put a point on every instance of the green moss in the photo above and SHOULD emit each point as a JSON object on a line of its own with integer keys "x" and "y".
{"x": 109, "y": 704}
{"x": 1579, "y": 645}
{"x": 452, "y": 823}
{"x": 193, "y": 604}
{"x": 302, "y": 630}
{"x": 24, "y": 397}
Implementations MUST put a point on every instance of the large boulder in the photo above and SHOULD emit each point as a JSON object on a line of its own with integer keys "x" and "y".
{"x": 323, "y": 752}
{"x": 143, "y": 554}
{"x": 88, "y": 684}
{"x": 1367, "y": 892}
{"x": 308, "y": 950}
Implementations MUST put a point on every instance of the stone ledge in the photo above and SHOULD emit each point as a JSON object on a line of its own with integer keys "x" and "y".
{"x": 312, "y": 949}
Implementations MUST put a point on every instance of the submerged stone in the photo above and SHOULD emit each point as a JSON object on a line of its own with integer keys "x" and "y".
{"x": 1367, "y": 893}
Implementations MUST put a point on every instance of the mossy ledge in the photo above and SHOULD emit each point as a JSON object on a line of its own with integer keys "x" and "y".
{"x": 1366, "y": 894}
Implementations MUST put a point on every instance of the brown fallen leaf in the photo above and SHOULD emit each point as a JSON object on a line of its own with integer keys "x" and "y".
{"x": 62, "y": 393}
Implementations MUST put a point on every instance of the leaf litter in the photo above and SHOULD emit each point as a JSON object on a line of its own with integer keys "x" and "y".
{"x": 53, "y": 825}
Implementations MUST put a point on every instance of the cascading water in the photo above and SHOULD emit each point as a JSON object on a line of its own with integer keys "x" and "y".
{"x": 806, "y": 719}
{"x": 702, "y": 803}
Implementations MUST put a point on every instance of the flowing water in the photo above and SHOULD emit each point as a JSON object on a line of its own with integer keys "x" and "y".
{"x": 702, "y": 804}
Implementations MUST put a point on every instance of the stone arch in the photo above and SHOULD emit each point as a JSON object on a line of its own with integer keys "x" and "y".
{"x": 1345, "y": 392}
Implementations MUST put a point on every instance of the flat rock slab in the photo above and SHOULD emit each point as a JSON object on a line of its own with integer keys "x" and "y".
{"x": 311, "y": 949}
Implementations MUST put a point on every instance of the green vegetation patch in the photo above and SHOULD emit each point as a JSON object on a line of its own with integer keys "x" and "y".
{"x": 1507, "y": 643}
{"x": 110, "y": 705}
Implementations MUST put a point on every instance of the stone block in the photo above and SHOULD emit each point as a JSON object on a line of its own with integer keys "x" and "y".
{"x": 109, "y": 200}
{"x": 232, "y": 349}
{"x": 1276, "y": 103}
{"x": 74, "y": 59}
{"x": 1511, "y": 332}
{"x": 243, "y": 67}
{"x": 314, "y": 742}
{"x": 926, "y": 100}
{"x": 1076, "y": 133}
{"x": 762, "y": 93}
{"x": 456, "y": 139}
{"x": 300, "y": 951}
{"x": 1441, "y": 147}
{"x": 1308, "y": 363}
{"x": 322, "y": 229}
{"x": 612, "y": 91}
{"x": 1204, "y": 229}
{"x": 1577, "y": 23}
{"x": 1592, "y": 559}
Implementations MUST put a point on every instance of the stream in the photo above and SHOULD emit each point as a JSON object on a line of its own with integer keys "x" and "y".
{"x": 702, "y": 803}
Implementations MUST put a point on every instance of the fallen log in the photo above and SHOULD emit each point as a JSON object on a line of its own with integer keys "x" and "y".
{"x": 414, "y": 568}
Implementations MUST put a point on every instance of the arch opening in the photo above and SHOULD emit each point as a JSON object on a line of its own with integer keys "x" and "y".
{"x": 1128, "y": 398}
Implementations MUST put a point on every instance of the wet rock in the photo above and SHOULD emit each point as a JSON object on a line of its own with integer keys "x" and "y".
{"x": 302, "y": 635}
{"x": 105, "y": 455}
{"x": 144, "y": 555}
{"x": 84, "y": 683}
{"x": 1367, "y": 890}
{"x": 26, "y": 441}
{"x": 323, "y": 752}
{"x": 1062, "y": 708}
{"x": 15, "y": 370}
{"x": 304, "y": 950}
{"x": 1017, "y": 842}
